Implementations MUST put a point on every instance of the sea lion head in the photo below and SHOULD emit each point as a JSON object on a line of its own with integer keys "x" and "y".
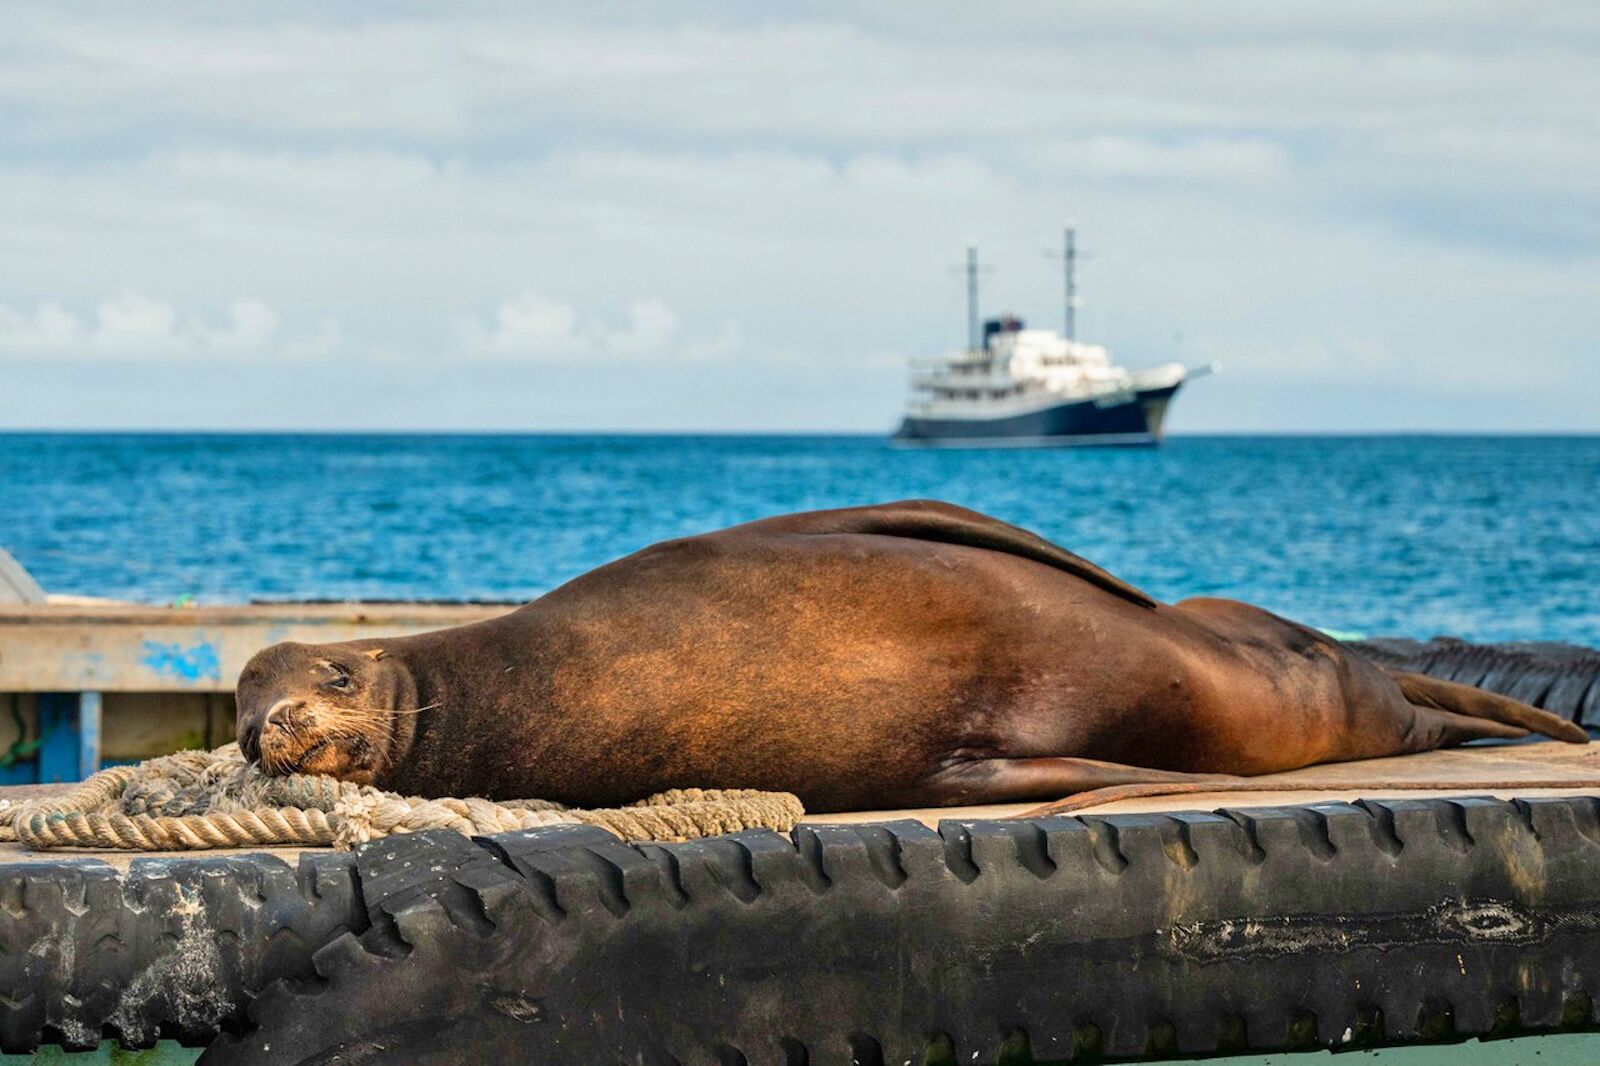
{"x": 346, "y": 710}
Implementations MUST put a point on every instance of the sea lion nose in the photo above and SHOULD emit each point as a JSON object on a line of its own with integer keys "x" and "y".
{"x": 278, "y": 714}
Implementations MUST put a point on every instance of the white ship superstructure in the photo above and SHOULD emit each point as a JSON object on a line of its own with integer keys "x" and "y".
{"x": 1017, "y": 386}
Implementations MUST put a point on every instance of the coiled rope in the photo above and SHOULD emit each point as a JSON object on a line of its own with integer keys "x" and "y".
{"x": 215, "y": 799}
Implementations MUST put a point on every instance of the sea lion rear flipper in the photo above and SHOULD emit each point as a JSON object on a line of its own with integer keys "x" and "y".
{"x": 946, "y": 523}
{"x": 1469, "y": 702}
{"x": 1062, "y": 778}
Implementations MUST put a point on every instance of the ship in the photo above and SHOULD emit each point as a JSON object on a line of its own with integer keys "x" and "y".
{"x": 1016, "y": 387}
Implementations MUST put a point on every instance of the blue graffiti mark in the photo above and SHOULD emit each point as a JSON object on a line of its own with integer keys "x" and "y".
{"x": 188, "y": 664}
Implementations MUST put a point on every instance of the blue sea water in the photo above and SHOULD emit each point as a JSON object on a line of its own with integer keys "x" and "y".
{"x": 1490, "y": 538}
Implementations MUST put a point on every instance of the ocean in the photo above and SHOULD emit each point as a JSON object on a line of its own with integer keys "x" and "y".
{"x": 1486, "y": 538}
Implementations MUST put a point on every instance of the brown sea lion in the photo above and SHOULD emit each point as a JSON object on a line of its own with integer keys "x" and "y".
{"x": 913, "y": 654}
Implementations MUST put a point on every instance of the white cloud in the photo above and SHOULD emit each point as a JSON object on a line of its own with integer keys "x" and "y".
{"x": 48, "y": 328}
{"x": 129, "y": 322}
{"x": 533, "y": 326}
{"x": 131, "y": 325}
{"x": 250, "y": 327}
{"x": 528, "y": 324}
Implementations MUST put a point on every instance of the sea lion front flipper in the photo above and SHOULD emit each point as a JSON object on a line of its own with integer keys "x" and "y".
{"x": 1464, "y": 700}
{"x": 946, "y": 523}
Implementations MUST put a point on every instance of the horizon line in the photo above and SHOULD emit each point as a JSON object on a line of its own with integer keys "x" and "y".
{"x": 735, "y": 433}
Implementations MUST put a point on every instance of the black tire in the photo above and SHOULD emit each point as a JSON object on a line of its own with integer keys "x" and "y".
{"x": 167, "y": 949}
{"x": 1332, "y": 925}
{"x": 1561, "y": 678}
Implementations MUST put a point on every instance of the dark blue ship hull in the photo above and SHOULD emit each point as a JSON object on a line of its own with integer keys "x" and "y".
{"x": 1135, "y": 421}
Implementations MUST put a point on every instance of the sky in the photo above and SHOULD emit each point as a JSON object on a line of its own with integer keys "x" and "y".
{"x": 552, "y": 217}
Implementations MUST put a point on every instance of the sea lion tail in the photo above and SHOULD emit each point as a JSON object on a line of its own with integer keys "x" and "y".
{"x": 1472, "y": 702}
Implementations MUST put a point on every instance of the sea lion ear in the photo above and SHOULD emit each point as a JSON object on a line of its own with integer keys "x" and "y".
{"x": 376, "y": 653}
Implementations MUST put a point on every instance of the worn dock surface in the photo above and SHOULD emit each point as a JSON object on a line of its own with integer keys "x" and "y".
{"x": 1514, "y": 771}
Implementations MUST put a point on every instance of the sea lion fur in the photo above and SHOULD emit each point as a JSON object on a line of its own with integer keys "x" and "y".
{"x": 905, "y": 655}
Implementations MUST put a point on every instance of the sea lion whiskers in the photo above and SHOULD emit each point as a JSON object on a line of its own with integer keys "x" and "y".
{"x": 348, "y": 741}
{"x": 351, "y": 743}
{"x": 275, "y": 762}
{"x": 369, "y": 712}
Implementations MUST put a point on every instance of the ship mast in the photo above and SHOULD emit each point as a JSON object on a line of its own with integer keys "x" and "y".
{"x": 972, "y": 297}
{"x": 1069, "y": 273}
{"x": 972, "y": 268}
{"x": 1069, "y": 267}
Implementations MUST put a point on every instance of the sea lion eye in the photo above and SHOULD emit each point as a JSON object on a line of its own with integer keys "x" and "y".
{"x": 340, "y": 679}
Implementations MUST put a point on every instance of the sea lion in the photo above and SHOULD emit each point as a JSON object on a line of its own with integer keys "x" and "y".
{"x": 911, "y": 654}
